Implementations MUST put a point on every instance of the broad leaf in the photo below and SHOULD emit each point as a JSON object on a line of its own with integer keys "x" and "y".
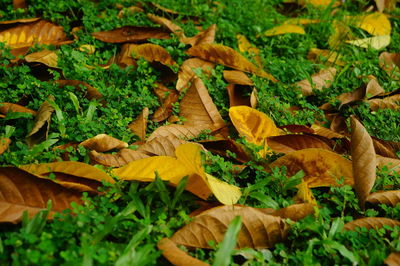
{"x": 377, "y": 42}
{"x": 103, "y": 142}
{"x": 161, "y": 146}
{"x": 320, "y": 80}
{"x": 393, "y": 259}
{"x": 151, "y": 52}
{"x": 284, "y": 29}
{"x": 246, "y": 47}
{"x": 186, "y": 73}
{"x": 177, "y": 256}
{"x": 237, "y": 77}
{"x": 371, "y": 223}
{"x": 390, "y": 62}
{"x": 119, "y": 159}
{"x": 391, "y": 102}
{"x": 16, "y": 108}
{"x": 376, "y": 24}
{"x": 391, "y": 197}
{"x": 46, "y": 57}
{"x": 139, "y": 125}
{"x": 293, "y": 142}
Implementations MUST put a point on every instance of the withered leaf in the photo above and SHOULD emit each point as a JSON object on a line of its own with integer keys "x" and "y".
{"x": 4, "y": 143}
{"x": 393, "y": 165}
{"x": 186, "y": 73}
{"x": 259, "y": 230}
{"x": 124, "y": 57}
{"x": 390, "y": 62}
{"x": 322, "y": 79}
{"x": 363, "y": 159}
{"x": 293, "y": 142}
{"x": 16, "y": 108}
{"x": 371, "y": 89}
{"x": 167, "y": 98}
{"x": 237, "y": 77}
{"x": 119, "y": 159}
{"x": 221, "y": 146}
{"x": 238, "y": 95}
{"x": 161, "y": 146}
{"x": 226, "y": 56}
{"x": 91, "y": 92}
{"x": 46, "y": 57}
{"x": 391, "y": 197}
{"x": 177, "y": 256}
{"x": 246, "y": 47}
{"x": 326, "y": 132}
{"x": 21, "y": 20}
{"x": 393, "y": 259}
{"x": 321, "y": 167}
{"x": 151, "y": 52}
{"x": 131, "y": 34}
{"x": 204, "y": 37}
{"x": 103, "y": 142}
{"x": 41, "y": 32}
{"x": 21, "y": 191}
{"x": 383, "y": 148}
{"x": 166, "y": 23}
{"x": 391, "y": 102}
{"x": 297, "y": 129}
{"x": 295, "y": 212}
{"x": 178, "y": 131}
{"x": 331, "y": 57}
{"x": 284, "y": 29}
{"x": 139, "y": 125}
{"x": 371, "y": 223}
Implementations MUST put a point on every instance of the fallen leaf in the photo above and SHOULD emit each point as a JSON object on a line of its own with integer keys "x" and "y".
{"x": 284, "y": 29}
{"x": 121, "y": 158}
{"x": 221, "y": 146}
{"x": 293, "y": 142}
{"x": 125, "y": 12}
{"x": 259, "y": 230}
{"x": 161, "y": 146}
{"x": 139, "y": 125}
{"x": 371, "y": 223}
{"x": 246, "y": 47}
{"x": 19, "y": 4}
{"x": 87, "y": 48}
{"x": 320, "y": 3}
{"x": 186, "y": 73}
{"x": 295, "y": 212}
{"x": 383, "y": 148}
{"x": 238, "y": 95}
{"x": 371, "y": 89}
{"x": 363, "y": 159}
{"x": 390, "y": 198}
{"x": 204, "y": 37}
{"x": 326, "y": 132}
{"x": 322, "y": 168}
{"x": 376, "y": 24}
{"x": 226, "y": 56}
{"x": 378, "y": 42}
{"x": 254, "y": 125}
{"x": 177, "y": 256}
{"x": 319, "y": 55}
{"x": 393, "y": 165}
{"x": 301, "y": 21}
{"x": 28, "y": 34}
{"x": 297, "y": 129}
{"x": 103, "y": 142}
{"x": 320, "y": 80}
{"x": 178, "y": 131}
{"x": 237, "y": 77}
{"x": 90, "y": 92}
{"x": 47, "y": 57}
{"x": 340, "y": 33}
{"x": 168, "y": 98}
{"x": 391, "y": 102}
{"x": 166, "y": 23}
{"x": 124, "y": 57}
{"x": 21, "y": 20}
{"x": 131, "y": 34}
{"x": 4, "y": 143}
{"x": 393, "y": 259}
{"x": 21, "y": 191}
{"x": 390, "y": 62}
{"x": 198, "y": 108}
{"x": 151, "y": 52}
{"x": 16, "y": 108}
{"x": 304, "y": 194}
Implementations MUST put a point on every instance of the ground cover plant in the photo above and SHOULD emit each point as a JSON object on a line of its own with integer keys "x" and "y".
{"x": 199, "y": 132}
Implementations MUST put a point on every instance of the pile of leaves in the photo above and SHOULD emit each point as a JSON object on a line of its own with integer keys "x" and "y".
{"x": 199, "y": 133}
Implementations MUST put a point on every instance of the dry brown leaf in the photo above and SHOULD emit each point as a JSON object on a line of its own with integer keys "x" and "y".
{"x": 139, "y": 125}
{"x": 41, "y": 124}
{"x": 166, "y": 23}
{"x": 198, "y": 108}
{"x": 295, "y": 212}
{"x": 131, "y": 34}
{"x": 383, "y": 148}
{"x": 258, "y": 231}
{"x": 237, "y": 77}
{"x": 246, "y": 47}
{"x": 167, "y": 98}
{"x": 129, "y": 11}
{"x": 103, "y": 142}
{"x": 321, "y": 167}
{"x": 178, "y": 131}
{"x": 221, "y": 146}
{"x": 322, "y": 79}
{"x": 119, "y": 159}
{"x": 186, "y": 73}
{"x": 390, "y": 62}
{"x": 238, "y": 95}
{"x": 293, "y": 142}
{"x": 90, "y": 92}
{"x": 4, "y": 143}
{"x": 47, "y": 57}
{"x": 19, "y": 4}
{"x": 393, "y": 259}
{"x": 151, "y": 52}
{"x": 226, "y": 56}
{"x": 371, "y": 89}
{"x": 331, "y": 57}
{"x": 27, "y": 34}
{"x": 161, "y": 146}
{"x": 326, "y": 132}
{"x": 124, "y": 57}
{"x": 177, "y": 256}
{"x": 363, "y": 159}
{"x": 391, "y": 102}
{"x": 393, "y": 165}
{"x": 16, "y": 108}
{"x": 21, "y": 20}
{"x": 204, "y": 37}
{"x": 371, "y": 223}
{"x": 297, "y": 129}
{"x": 21, "y": 191}
{"x": 391, "y": 197}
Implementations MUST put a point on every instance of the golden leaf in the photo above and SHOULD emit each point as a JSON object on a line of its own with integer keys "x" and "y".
{"x": 391, "y": 197}
{"x": 246, "y": 47}
{"x": 139, "y": 125}
{"x": 295, "y": 212}
{"x": 284, "y": 29}
{"x": 46, "y": 57}
{"x": 237, "y": 77}
{"x": 178, "y": 131}
{"x": 376, "y": 23}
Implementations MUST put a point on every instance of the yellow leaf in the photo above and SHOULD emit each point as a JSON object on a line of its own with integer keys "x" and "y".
{"x": 301, "y": 21}
{"x": 254, "y": 125}
{"x": 376, "y": 24}
{"x": 246, "y": 47}
{"x": 378, "y": 42}
{"x": 225, "y": 193}
{"x": 46, "y": 57}
{"x": 305, "y": 194}
{"x": 283, "y": 29}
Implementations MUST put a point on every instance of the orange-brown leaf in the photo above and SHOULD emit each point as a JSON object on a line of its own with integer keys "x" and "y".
{"x": 391, "y": 197}
{"x": 390, "y": 163}
{"x": 21, "y": 191}
{"x": 246, "y": 47}
{"x": 295, "y": 212}
{"x": 391, "y": 102}
{"x": 166, "y": 23}
{"x": 237, "y": 77}
{"x": 326, "y": 132}
{"x": 363, "y": 159}
{"x": 19, "y": 4}
{"x": 119, "y": 159}
{"x": 320, "y": 80}
{"x": 238, "y": 95}
{"x": 383, "y": 148}
{"x": 139, "y": 125}
{"x": 370, "y": 90}
{"x": 186, "y": 73}
{"x": 321, "y": 167}
{"x": 394, "y": 258}
{"x": 161, "y": 146}
{"x": 178, "y": 131}
{"x": 371, "y": 223}
{"x": 4, "y": 143}
{"x": 226, "y": 56}
{"x": 103, "y": 142}
{"x": 16, "y": 108}
{"x": 177, "y": 256}
{"x": 151, "y": 52}
{"x": 131, "y": 34}
{"x": 258, "y": 231}
{"x": 204, "y": 37}
{"x": 293, "y": 142}
{"x": 47, "y": 57}
{"x": 390, "y": 62}
{"x": 166, "y": 108}
{"x": 90, "y": 92}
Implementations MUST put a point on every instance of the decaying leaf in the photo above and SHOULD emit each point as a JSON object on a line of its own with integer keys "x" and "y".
{"x": 177, "y": 256}
{"x": 254, "y": 125}
{"x": 390, "y": 62}
{"x": 178, "y": 131}
{"x": 139, "y": 125}
{"x": 90, "y": 92}
{"x": 221, "y": 146}
{"x": 186, "y": 73}
{"x": 295, "y": 212}
{"x": 321, "y": 167}
{"x": 376, "y": 23}
{"x": 371, "y": 89}
{"x": 164, "y": 146}
{"x": 391, "y": 102}
{"x": 322, "y": 79}
{"x": 377, "y": 42}
{"x": 371, "y": 223}
{"x": 151, "y": 52}
{"x": 16, "y": 108}
{"x": 293, "y": 142}
{"x": 4, "y": 143}
{"x": 19, "y": 4}
{"x": 393, "y": 259}
{"x": 226, "y": 56}
{"x": 204, "y": 37}
{"x": 363, "y": 159}
{"x": 27, "y": 34}
{"x": 103, "y": 142}
{"x": 393, "y": 165}
{"x": 284, "y": 29}
{"x": 238, "y": 95}
{"x": 119, "y": 159}
{"x": 46, "y": 57}
{"x": 21, "y": 191}
{"x": 237, "y": 77}
{"x": 198, "y": 108}
{"x": 167, "y": 98}
{"x": 304, "y": 194}
{"x": 391, "y": 197}
{"x": 131, "y": 34}
{"x": 326, "y": 132}
{"x": 319, "y": 55}
{"x": 383, "y": 148}
{"x": 259, "y": 230}
{"x": 166, "y": 23}
{"x": 246, "y": 47}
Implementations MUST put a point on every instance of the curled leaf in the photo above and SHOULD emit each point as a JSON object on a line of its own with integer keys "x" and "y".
{"x": 237, "y": 77}
{"x": 177, "y": 256}
{"x": 152, "y": 52}
{"x": 166, "y": 23}
{"x": 186, "y": 73}
{"x": 368, "y": 91}
{"x": 204, "y": 37}
{"x": 178, "y": 131}
{"x": 246, "y": 47}
{"x": 103, "y": 142}
{"x": 390, "y": 62}
{"x": 161, "y": 146}
{"x": 139, "y": 125}
{"x": 293, "y": 142}
{"x": 322, "y": 79}
{"x": 295, "y": 212}
{"x": 391, "y": 102}
{"x": 371, "y": 223}
{"x": 167, "y": 98}
{"x": 16, "y": 108}
{"x": 391, "y": 198}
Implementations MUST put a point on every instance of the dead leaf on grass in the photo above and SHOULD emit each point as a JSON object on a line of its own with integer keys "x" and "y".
{"x": 186, "y": 73}
{"x": 293, "y": 142}
{"x": 161, "y": 146}
{"x": 371, "y": 223}
{"x": 390, "y": 198}
{"x": 204, "y": 37}
{"x": 167, "y": 97}
{"x": 319, "y": 55}
{"x": 391, "y": 102}
{"x": 178, "y": 131}
{"x": 16, "y": 108}
{"x": 320, "y": 80}
{"x": 393, "y": 165}
{"x": 246, "y": 47}
{"x": 166, "y": 23}
{"x": 390, "y": 62}
{"x": 4, "y": 143}
{"x": 295, "y": 212}
{"x": 237, "y": 77}
{"x": 284, "y": 29}
{"x": 47, "y": 57}
{"x": 376, "y": 42}
{"x": 371, "y": 89}
{"x": 131, "y": 34}
{"x": 152, "y": 52}
{"x": 90, "y": 92}
{"x": 103, "y": 142}
{"x": 177, "y": 256}
{"x": 19, "y": 4}
{"x": 376, "y": 24}
{"x": 393, "y": 259}
{"x": 139, "y": 125}
{"x": 121, "y": 158}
